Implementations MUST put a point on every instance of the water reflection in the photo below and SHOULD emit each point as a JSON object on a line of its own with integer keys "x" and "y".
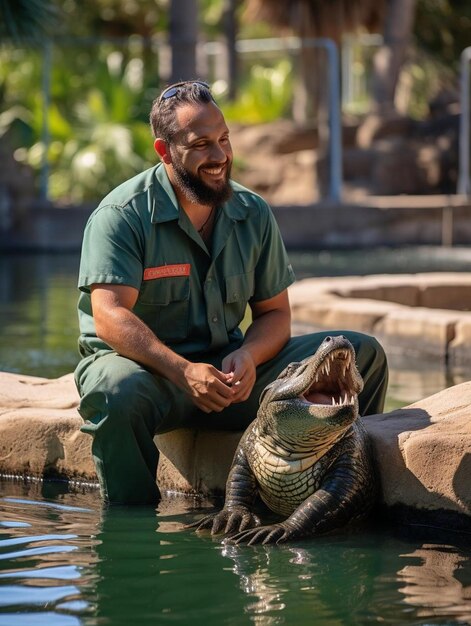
{"x": 433, "y": 584}
{"x": 38, "y": 318}
{"x": 331, "y": 579}
{"x": 353, "y": 582}
{"x": 47, "y": 555}
{"x": 412, "y": 378}
{"x": 67, "y": 559}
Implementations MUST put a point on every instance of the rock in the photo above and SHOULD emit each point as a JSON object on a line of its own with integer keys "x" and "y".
{"x": 422, "y": 450}
{"x": 416, "y": 167}
{"x": 195, "y": 461}
{"x": 382, "y": 154}
{"x": 39, "y": 429}
{"x": 375, "y": 126}
{"x": 404, "y": 311}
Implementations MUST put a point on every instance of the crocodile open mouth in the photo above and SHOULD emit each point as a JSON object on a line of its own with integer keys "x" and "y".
{"x": 333, "y": 381}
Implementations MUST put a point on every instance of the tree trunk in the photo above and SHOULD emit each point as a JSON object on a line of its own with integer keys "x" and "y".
{"x": 311, "y": 104}
{"x": 388, "y": 60}
{"x": 230, "y": 36}
{"x": 183, "y": 39}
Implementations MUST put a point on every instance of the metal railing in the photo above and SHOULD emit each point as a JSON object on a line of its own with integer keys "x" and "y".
{"x": 334, "y": 192}
{"x": 464, "y": 186}
{"x": 334, "y": 148}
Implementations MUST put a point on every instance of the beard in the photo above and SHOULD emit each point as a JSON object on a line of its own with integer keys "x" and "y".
{"x": 196, "y": 190}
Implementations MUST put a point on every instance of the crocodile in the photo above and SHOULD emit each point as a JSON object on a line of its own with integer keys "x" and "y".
{"x": 306, "y": 454}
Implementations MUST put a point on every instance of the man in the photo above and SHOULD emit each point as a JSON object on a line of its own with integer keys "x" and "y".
{"x": 170, "y": 260}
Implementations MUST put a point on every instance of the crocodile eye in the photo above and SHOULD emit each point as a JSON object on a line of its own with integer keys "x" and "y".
{"x": 289, "y": 369}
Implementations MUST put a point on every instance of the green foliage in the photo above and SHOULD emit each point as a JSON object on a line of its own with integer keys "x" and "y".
{"x": 442, "y": 28}
{"x": 98, "y": 121}
{"x": 113, "y": 18}
{"x": 426, "y": 77}
{"x": 101, "y": 93}
{"x": 264, "y": 96}
{"x": 26, "y": 19}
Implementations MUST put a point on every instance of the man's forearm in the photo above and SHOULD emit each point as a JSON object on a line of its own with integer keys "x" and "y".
{"x": 123, "y": 331}
{"x": 130, "y": 337}
{"x": 267, "y": 335}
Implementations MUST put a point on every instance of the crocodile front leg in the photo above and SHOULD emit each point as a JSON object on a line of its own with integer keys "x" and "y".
{"x": 346, "y": 493}
{"x": 241, "y": 489}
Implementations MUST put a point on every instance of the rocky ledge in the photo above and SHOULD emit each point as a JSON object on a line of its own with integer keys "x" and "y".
{"x": 422, "y": 450}
{"x": 426, "y": 314}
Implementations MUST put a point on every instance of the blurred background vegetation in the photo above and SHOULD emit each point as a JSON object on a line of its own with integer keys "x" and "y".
{"x": 94, "y": 68}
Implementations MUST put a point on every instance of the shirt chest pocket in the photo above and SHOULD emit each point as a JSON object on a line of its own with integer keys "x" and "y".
{"x": 239, "y": 290}
{"x": 165, "y": 305}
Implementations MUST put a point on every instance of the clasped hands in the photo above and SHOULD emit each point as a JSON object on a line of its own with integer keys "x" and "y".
{"x": 211, "y": 389}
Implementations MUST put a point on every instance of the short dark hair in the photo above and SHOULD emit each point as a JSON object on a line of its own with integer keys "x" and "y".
{"x": 163, "y": 113}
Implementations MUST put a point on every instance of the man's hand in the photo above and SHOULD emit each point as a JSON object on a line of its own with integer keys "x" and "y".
{"x": 207, "y": 387}
{"x": 240, "y": 367}
{"x": 268, "y": 333}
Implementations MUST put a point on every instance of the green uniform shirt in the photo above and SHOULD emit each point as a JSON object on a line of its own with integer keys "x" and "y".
{"x": 192, "y": 298}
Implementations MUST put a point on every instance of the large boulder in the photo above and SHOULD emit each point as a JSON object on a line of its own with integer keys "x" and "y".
{"x": 422, "y": 450}
{"x": 39, "y": 429}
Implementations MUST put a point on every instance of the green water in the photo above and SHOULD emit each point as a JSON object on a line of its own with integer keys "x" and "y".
{"x": 65, "y": 560}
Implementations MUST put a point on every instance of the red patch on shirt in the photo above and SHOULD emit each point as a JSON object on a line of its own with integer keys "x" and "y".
{"x": 167, "y": 271}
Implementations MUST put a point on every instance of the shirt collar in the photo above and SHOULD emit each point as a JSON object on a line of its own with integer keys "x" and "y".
{"x": 165, "y": 205}
{"x": 164, "y": 201}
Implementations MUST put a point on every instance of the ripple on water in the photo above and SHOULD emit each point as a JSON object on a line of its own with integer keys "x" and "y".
{"x": 45, "y": 559}
{"x": 67, "y": 560}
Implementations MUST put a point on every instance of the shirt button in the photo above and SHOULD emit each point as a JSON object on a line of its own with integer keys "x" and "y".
{"x": 215, "y": 318}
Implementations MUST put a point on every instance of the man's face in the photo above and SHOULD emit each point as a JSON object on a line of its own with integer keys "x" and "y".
{"x": 201, "y": 155}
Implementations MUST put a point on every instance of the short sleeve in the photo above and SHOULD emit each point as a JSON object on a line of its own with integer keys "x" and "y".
{"x": 273, "y": 272}
{"x": 112, "y": 249}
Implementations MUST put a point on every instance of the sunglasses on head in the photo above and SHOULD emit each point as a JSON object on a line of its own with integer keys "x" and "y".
{"x": 174, "y": 89}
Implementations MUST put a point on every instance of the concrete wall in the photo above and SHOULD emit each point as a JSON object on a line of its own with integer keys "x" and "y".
{"x": 387, "y": 220}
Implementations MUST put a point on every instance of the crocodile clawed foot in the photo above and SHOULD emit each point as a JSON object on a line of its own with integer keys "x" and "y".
{"x": 275, "y": 533}
{"x": 227, "y": 521}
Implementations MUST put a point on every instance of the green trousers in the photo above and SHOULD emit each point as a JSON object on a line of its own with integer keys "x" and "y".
{"x": 123, "y": 406}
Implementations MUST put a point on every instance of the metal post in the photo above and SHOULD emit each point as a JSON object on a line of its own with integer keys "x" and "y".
{"x": 335, "y": 134}
{"x": 183, "y": 39}
{"x": 347, "y": 70}
{"x": 335, "y": 122}
{"x": 447, "y": 226}
{"x": 463, "y": 176}
{"x": 45, "y": 134}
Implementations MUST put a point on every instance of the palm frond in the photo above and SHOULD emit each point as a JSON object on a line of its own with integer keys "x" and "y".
{"x": 26, "y": 20}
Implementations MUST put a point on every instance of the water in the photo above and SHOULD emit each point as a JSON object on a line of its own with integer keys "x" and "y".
{"x": 38, "y": 314}
{"x": 66, "y": 560}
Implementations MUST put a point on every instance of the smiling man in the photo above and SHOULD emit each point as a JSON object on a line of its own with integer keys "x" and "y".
{"x": 170, "y": 261}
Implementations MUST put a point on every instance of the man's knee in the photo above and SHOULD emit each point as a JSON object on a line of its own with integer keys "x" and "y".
{"x": 117, "y": 395}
